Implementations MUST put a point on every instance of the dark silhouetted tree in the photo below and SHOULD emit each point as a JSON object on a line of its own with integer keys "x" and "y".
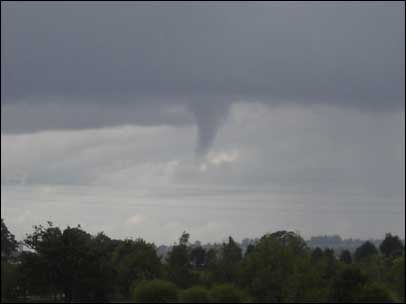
{"x": 391, "y": 246}
{"x": 348, "y": 285}
{"x": 135, "y": 261}
{"x": 9, "y": 281}
{"x": 178, "y": 263}
{"x": 8, "y": 242}
{"x": 346, "y": 257}
{"x": 317, "y": 254}
{"x": 228, "y": 261}
{"x": 270, "y": 272}
{"x": 198, "y": 256}
{"x": 250, "y": 249}
{"x": 365, "y": 250}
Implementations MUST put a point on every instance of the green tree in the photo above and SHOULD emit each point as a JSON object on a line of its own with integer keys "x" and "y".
{"x": 346, "y": 257}
{"x": 101, "y": 273}
{"x": 135, "y": 261}
{"x": 34, "y": 278}
{"x": 9, "y": 281}
{"x": 210, "y": 274}
{"x": 348, "y": 285}
{"x": 184, "y": 239}
{"x": 212, "y": 259}
{"x": 8, "y": 242}
{"x": 365, "y": 250}
{"x": 228, "y": 262}
{"x": 397, "y": 277}
{"x": 68, "y": 260}
{"x": 375, "y": 267}
{"x": 9, "y": 270}
{"x": 155, "y": 291}
{"x": 76, "y": 263}
{"x": 329, "y": 253}
{"x": 250, "y": 249}
{"x": 325, "y": 269}
{"x": 198, "y": 256}
{"x": 278, "y": 269}
{"x": 47, "y": 260}
{"x": 317, "y": 255}
{"x": 179, "y": 265}
{"x": 195, "y": 294}
{"x": 391, "y": 246}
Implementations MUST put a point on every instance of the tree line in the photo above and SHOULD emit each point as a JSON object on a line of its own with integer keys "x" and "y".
{"x": 71, "y": 265}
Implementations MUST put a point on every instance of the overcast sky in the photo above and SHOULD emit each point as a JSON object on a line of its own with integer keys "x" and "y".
{"x": 147, "y": 119}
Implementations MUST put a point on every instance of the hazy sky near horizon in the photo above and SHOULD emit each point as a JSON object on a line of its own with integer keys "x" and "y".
{"x": 146, "y": 119}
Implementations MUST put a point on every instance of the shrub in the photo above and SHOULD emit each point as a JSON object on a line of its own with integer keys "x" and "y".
{"x": 348, "y": 285}
{"x": 194, "y": 294}
{"x": 155, "y": 291}
{"x": 374, "y": 293}
{"x": 9, "y": 280}
{"x": 397, "y": 277}
{"x": 225, "y": 293}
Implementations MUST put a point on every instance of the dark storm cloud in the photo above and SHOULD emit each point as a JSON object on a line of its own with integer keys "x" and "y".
{"x": 135, "y": 61}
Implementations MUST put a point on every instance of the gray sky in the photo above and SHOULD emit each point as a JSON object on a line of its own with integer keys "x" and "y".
{"x": 145, "y": 119}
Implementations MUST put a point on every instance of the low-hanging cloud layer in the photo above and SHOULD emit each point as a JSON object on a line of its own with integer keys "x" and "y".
{"x": 307, "y": 171}
{"x": 89, "y": 65}
{"x": 296, "y": 107}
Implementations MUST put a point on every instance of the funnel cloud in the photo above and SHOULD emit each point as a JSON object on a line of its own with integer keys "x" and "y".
{"x": 209, "y": 117}
{"x": 133, "y": 63}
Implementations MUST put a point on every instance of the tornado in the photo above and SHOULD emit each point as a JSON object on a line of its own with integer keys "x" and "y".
{"x": 209, "y": 116}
